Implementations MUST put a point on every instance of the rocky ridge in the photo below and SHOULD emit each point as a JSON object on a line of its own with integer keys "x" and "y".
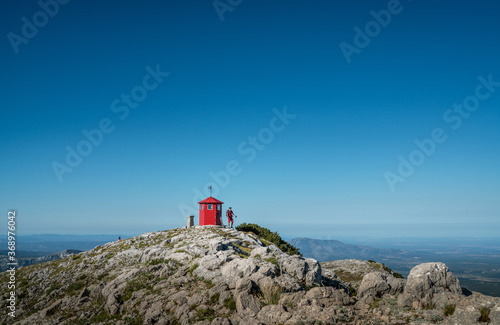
{"x": 213, "y": 275}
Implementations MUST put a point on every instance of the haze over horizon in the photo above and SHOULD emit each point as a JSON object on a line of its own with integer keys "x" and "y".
{"x": 336, "y": 119}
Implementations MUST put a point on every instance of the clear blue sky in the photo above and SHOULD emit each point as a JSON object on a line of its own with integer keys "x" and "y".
{"x": 323, "y": 173}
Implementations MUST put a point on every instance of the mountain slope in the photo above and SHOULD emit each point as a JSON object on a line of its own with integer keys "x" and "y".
{"x": 213, "y": 275}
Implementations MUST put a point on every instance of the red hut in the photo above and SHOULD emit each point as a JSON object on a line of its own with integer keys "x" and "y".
{"x": 211, "y": 212}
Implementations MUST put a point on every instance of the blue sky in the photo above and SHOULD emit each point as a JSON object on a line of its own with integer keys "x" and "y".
{"x": 217, "y": 76}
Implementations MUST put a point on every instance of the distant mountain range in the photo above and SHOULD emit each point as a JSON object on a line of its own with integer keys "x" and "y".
{"x": 329, "y": 250}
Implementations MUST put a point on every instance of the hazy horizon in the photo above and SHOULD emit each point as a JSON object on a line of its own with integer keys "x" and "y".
{"x": 343, "y": 232}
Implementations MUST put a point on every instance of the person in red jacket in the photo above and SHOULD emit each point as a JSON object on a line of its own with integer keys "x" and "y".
{"x": 230, "y": 214}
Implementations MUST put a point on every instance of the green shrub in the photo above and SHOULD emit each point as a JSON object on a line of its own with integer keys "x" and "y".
{"x": 397, "y": 275}
{"x": 272, "y": 237}
{"x": 448, "y": 310}
{"x": 485, "y": 315}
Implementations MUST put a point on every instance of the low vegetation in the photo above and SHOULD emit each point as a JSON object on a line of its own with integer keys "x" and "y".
{"x": 272, "y": 237}
{"x": 448, "y": 310}
{"x": 271, "y": 294}
{"x": 485, "y": 315}
{"x": 230, "y": 304}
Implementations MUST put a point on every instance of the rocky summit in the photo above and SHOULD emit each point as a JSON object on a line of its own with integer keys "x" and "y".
{"x": 214, "y": 275}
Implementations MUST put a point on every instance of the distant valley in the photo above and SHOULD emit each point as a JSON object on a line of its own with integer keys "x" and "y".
{"x": 477, "y": 267}
{"x": 34, "y": 249}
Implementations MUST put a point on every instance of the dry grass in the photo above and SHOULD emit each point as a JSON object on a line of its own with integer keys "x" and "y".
{"x": 271, "y": 294}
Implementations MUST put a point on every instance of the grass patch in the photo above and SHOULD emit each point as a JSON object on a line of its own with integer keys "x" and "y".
{"x": 230, "y": 304}
{"x": 142, "y": 282}
{"x": 102, "y": 276}
{"x": 137, "y": 320}
{"x": 375, "y": 303}
{"x": 382, "y": 266}
{"x": 206, "y": 314}
{"x": 485, "y": 315}
{"x": 193, "y": 267}
{"x": 74, "y": 287}
{"x": 448, "y": 310}
{"x": 271, "y": 294}
{"x": 244, "y": 250}
{"x": 346, "y": 276}
{"x": 215, "y": 298}
{"x": 209, "y": 284}
{"x": 157, "y": 261}
{"x": 274, "y": 260}
{"x": 53, "y": 287}
{"x": 103, "y": 316}
{"x": 176, "y": 263}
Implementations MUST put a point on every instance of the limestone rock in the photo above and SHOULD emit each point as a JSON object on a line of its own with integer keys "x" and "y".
{"x": 247, "y": 304}
{"x": 376, "y": 284}
{"x": 236, "y": 269}
{"x": 326, "y": 296}
{"x": 51, "y": 309}
{"x": 262, "y": 251}
{"x": 428, "y": 284}
{"x": 306, "y": 270}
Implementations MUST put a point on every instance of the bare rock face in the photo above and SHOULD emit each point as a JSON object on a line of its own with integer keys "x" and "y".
{"x": 376, "y": 284}
{"x": 430, "y": 284}
{"x": 304, "y": 269}
{"x": 327, "y": 296}
{"x": 236, "y": 269}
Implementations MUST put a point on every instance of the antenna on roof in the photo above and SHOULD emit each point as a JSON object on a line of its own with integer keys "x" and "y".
{"x": 210, "y": 188}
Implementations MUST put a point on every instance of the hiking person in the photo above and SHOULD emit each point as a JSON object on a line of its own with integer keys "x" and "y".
{"x": 230, "y": 214}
